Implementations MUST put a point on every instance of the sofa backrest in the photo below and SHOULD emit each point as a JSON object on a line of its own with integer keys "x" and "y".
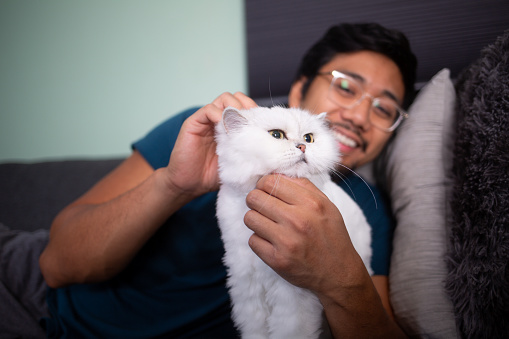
{"x": 443, "y": 34}
{"x": 31, "y": 195}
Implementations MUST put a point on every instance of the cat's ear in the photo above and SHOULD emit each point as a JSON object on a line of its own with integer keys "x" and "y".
{"x": 233, "y": 120}
{"x": 322, "y": 115}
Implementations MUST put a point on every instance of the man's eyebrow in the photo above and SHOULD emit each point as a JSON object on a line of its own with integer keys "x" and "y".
{"x": 355, "y": 76}
{"x": 390, "y": 95}
{"x": 361, "y": 79}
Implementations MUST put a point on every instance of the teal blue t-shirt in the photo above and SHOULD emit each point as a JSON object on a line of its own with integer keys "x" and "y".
{"x": 175, "y": 287}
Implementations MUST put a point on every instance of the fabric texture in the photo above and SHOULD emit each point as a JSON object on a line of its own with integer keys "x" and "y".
{"x": 478, "y": 260}
{"x": 22, "y": 287}
{"x": 416, "y": 166}
{"x": 31, "y": 194}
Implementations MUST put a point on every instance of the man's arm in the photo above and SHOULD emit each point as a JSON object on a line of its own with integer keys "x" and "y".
{"x": 94, "y": 238}
{"x": 302, "y": 236}
{"x": 381, "y": 283}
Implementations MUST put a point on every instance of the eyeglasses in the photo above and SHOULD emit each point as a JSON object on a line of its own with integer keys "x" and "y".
{"x": 347, "y": 92}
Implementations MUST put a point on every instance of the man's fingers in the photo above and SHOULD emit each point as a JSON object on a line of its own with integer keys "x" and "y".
{"x": 292, "y": 191}
{"x": 246, "y": 101}
{"x": 267, "y": 205}
{"x": 261, "y": 225}
{"x": 238, "y": 100}
{"x": 262, "y": 248}
{"x": 207, "y": 114}
{"x": 213, "y": 112}
{"x": 264, "y": 237}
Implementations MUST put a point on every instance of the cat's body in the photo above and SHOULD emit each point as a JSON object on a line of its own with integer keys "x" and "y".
{"x": 250, "y": 145}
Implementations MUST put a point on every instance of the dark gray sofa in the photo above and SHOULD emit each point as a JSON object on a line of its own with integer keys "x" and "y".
{"x": 32, "y": 194}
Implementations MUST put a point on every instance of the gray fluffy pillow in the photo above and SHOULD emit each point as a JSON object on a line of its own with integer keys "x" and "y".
{"x": 478, "y": 260}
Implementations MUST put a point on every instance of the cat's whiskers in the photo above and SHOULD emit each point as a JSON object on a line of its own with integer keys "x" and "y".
{"x": 274, "y": 188}
{"x": 270, "y": 93}
{"x": 343, "y": 177}
{"x": 278, "y": 180}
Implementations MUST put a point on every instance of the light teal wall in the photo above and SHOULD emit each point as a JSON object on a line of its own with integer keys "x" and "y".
{"x": 86, "y": 78}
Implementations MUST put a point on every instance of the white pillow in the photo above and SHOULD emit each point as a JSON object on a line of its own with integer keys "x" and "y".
{"x": 418, "y": 167}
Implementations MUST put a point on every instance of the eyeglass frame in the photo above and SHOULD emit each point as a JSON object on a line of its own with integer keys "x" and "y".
{"x": 337, "y": 74}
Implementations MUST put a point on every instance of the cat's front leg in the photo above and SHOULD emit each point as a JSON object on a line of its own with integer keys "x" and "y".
{"x": 250, "y": 312}
{"x": 295, "y": 312}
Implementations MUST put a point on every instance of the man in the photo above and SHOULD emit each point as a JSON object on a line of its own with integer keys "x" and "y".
{"x": 139, "y": 255}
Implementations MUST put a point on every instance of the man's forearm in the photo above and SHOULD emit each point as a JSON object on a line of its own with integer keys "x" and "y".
{"x": 359, "y": 313}
{"x": 94, "y": 242}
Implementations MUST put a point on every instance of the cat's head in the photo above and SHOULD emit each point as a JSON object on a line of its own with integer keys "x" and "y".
{"x": 291, "y": 141}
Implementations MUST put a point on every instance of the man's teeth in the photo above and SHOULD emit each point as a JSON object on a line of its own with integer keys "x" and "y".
{"x": 345, "y": 140}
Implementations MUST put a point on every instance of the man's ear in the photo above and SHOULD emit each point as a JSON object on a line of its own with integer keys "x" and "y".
{"x": 295, "y": 95}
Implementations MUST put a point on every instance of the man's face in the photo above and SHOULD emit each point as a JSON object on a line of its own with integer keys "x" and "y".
{"x": 358, "y": 140}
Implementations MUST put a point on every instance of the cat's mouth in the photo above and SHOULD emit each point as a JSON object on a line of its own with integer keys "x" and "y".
{"x": 301, "y": 160}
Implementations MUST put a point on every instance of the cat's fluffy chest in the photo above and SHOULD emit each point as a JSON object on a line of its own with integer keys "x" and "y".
{"x": 251, "y": 144}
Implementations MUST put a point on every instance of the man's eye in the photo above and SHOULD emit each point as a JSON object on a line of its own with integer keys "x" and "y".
{"x": 309, "y": 138}
{"x": 344, "y": 87}
{"x": 385, "y": 110}
{"x": 277, "y": 133}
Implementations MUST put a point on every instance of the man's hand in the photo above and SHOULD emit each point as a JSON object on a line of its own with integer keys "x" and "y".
{"x": 301, "y": 234}
{"x": 193, "y": 163}
{"x": 110, "y": 223}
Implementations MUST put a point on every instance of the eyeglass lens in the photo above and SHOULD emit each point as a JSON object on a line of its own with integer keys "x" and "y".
{"x": 347, "y": 93}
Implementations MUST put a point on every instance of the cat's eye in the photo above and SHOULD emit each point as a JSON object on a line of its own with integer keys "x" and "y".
{"x": 309, "y": 138}
{"x": 277, "y": 133}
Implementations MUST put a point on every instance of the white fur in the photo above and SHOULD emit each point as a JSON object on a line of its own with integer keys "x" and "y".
{"x": 264, "y": 304}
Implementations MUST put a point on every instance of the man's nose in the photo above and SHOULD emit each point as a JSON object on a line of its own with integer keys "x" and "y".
{"x": 359, "y": 114}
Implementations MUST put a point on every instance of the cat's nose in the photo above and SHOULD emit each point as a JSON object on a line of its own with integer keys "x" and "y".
{"x": 302, "y": 147}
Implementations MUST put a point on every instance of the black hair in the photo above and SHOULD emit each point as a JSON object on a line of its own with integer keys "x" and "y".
{"x": 347, "y": 38}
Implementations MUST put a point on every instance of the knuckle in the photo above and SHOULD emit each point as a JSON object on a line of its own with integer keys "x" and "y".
{"x": 225, "y": 95}
{"x": 317, "y": 205}
{"x": 306, "y": 228}
{"x": 209, "y": 106}
{"x": 267, "y": 183}
{"x": 291, "y": 246}
{"x": 304, "y": 221}
{"x": 281, "y": 263}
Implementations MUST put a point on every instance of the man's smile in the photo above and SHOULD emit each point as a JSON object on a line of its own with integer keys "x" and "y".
{"x": 347, "y": 141}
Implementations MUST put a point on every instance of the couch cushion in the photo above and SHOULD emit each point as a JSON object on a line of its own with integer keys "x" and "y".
{"x": 32, "y": 194}
{"x": 418, "y": 160}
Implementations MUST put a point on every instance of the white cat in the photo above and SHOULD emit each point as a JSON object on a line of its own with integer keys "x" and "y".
{"x": 250, "y": 144}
